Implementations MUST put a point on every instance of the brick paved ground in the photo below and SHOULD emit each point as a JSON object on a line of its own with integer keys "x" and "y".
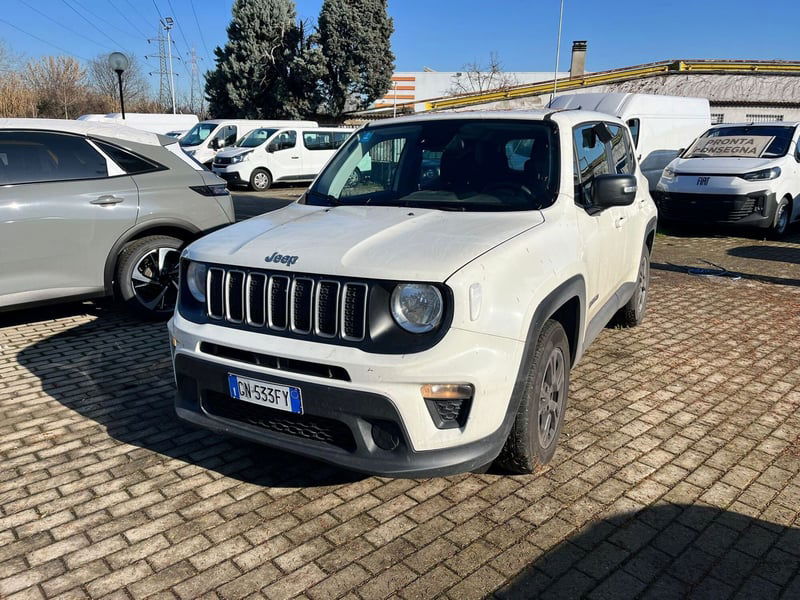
{"x": 678, "y": 470}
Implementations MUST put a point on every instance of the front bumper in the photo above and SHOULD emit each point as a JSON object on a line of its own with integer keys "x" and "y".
{"x": 357, "y": 430}
{"x": 754, "y": 209}
{"x": 233, "y": 177}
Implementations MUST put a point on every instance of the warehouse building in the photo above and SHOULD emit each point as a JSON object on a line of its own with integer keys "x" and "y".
{"x": 738, "y": 91}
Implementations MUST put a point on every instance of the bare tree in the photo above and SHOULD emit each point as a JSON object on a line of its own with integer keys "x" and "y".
{"x": 475, "y": 77}
{"x": 103, "y": 81}
{"x": 59, "y": 84}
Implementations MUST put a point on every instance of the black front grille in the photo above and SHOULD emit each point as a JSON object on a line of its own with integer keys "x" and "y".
{"x": 222, "y": 160}
{"x": 299, "y": 304}
{"x": 705, "y": 207}
{"x": 309, "y": 427}
{"x": 303, "y": 367}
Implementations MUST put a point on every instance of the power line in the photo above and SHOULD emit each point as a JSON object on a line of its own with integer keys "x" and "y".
{"x": 180, "y": 30}
{"x": 137, "y": 11}
{"x": 103, "y": 19}
{"x": 158, "y": 10}
{"x": 73, "y": 31}
{"x": 73, "y": 9}
{"x": 36, "y": 37}
{"x": 124, "y": 16}
{"x": 200, "y": 30}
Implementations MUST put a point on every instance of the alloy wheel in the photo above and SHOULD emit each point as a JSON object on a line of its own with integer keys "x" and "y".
{"x": 551, "y": 397}
{"x": 155, "y": 279}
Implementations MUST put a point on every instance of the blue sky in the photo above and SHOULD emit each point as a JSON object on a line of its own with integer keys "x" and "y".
{"x": 442, "y": 35}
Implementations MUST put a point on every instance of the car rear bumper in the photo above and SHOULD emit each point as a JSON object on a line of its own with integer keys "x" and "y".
{"x": 755, "y": 209}
{"x": 358, "y": 430}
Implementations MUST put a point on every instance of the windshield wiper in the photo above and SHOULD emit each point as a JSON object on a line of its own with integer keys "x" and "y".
{"x": 330, "y": 199}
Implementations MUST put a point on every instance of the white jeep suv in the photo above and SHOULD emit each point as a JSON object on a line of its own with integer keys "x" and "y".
{"x": 418, "y": 311}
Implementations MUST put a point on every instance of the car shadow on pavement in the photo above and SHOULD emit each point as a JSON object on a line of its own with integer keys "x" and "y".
{"x": 771, "y": 253}
{"x": 117, "y": 371}
{"x": 712, "y": 230}
{"x": 730, "y": 274}
{"x": 668, "y": 551}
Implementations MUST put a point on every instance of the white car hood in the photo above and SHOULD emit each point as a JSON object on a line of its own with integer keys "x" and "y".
{"x": 410, "y": 244}
{"x": 722, "y": 166}
{"x": 231, "y": 152}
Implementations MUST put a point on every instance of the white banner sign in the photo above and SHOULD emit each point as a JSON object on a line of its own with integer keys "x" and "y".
{"x": 741, "y": 146}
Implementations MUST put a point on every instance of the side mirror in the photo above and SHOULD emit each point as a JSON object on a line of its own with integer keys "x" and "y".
{"x": 272, "y": 147}
{"x": 613, "y": 190}
{"x": 215, "y": 144}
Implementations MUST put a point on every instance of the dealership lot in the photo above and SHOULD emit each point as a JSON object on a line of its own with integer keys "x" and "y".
{"x": 678, "y": 470}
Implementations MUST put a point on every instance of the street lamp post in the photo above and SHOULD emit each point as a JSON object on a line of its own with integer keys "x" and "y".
{"x": 119, "y": 62}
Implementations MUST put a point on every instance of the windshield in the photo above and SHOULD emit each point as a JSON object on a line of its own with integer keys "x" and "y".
{"x": 255, "y": 138}
{"x": 743, "y": 141}
{"x": 445, "y": 164}
{"x": 198, "y": 134}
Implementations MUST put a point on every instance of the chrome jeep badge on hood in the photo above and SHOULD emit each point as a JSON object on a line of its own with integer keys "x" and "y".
{"x": 281, "y": 258}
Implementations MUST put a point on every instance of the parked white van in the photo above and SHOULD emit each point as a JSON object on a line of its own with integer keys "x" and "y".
{"x": 269, "y": 154}
{"x": 205, "y": 139}
{"x": 741, "y": 174}
{"x": 661, "y": 126}
{"x": 162, "y": 123}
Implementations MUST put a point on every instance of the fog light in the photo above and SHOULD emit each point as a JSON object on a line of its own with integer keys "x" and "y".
{"x": 448, "y": 403}
{"x": 386, "y": 435}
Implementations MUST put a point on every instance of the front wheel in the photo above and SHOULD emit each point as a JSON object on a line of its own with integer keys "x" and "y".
{"x": 147, "y": 275}
{"x": 782, "y": 216}
{"x": 540, "y": 416}
{"x": 260, "y": 180}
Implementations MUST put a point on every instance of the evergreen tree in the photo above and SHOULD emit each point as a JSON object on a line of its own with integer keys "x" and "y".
{"x": 265, "y": 67}
{"x": 354, "y": 38}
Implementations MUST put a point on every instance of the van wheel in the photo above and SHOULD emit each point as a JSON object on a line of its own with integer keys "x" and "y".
{"x": 782, "y": 218}
{"x": 260, "y": 180}
{"x": 534, "y": 435}
{"x": 632, "y": 314}
{"x": 147, "y": 275}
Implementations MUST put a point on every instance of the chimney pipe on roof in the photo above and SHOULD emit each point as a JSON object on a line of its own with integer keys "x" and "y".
{"x": 577, "y": 66}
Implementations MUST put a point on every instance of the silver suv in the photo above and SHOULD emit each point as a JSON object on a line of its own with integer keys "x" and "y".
{"x": 93, "y": 209}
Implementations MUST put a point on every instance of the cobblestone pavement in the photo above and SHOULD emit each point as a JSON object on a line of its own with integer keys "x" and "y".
{"x": 678, "y": 471}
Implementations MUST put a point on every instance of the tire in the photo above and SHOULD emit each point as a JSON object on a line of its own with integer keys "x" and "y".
{"x": 534, "y": 435}
{"x": 147, "y": 276}
{"x": 260, "y": 180}
{"x": 632, "y": 314}
{"x": 782, "y": 218}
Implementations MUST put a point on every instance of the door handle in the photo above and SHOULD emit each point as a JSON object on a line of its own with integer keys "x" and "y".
{"x": 295, "y": 157}
{"x": 619, "y": 222}
{"x": 107, "y": 200}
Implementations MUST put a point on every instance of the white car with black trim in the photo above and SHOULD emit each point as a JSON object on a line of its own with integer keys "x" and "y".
{"x": 418, "y": 311}
{"x": 739, "y": 174}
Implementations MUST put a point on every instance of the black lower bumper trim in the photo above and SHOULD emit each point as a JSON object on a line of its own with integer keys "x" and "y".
{"x": 756, "y": 209}
{"x": 352, "y": 429}
{"x": 232, "y": 177}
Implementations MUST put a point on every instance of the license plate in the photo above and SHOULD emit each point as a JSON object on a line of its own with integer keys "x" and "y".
{"x": 272, "y": 395}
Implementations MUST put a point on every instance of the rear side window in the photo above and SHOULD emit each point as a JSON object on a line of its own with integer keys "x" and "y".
{"x": 128, "y": 162}
{"x": 621, "y": 151}
{"x": 38, "y": 156}
{"x": 324, "y": 140}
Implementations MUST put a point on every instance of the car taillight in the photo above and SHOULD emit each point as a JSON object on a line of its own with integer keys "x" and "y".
{"x": 218, "y": 189}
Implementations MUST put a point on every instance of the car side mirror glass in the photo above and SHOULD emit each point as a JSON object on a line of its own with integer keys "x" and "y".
{"x": 272, "y": 147}
{"x": 613, "y": 190}
{"x": 215, "y": 144}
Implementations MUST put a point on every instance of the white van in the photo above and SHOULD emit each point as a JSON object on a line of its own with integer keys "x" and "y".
{"x": 661, "y": 126}
{"x": 738, "y": 174}
{"x": 205, "y": 139}
{"x": 162, "y": 123}
{"x": 270, "y": 154}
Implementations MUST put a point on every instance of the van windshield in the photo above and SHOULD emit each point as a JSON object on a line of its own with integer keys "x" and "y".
{"x": 197, "y": 134}
{"x": 255, "y": 138}
{"x": 744, "y": 141}
{"x": 449, "y": 164}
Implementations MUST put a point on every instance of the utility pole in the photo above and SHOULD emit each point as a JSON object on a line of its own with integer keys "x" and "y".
{"x": 166, "y": 83}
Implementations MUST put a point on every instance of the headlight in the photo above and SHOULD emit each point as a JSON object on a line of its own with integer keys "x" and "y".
{"x": 763, "y": 174}
{"x": 668, "y": 174}
{"x": 240, "y": 157}
{"x": 417, "y": 307}
{"x": 196, "y": 280}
